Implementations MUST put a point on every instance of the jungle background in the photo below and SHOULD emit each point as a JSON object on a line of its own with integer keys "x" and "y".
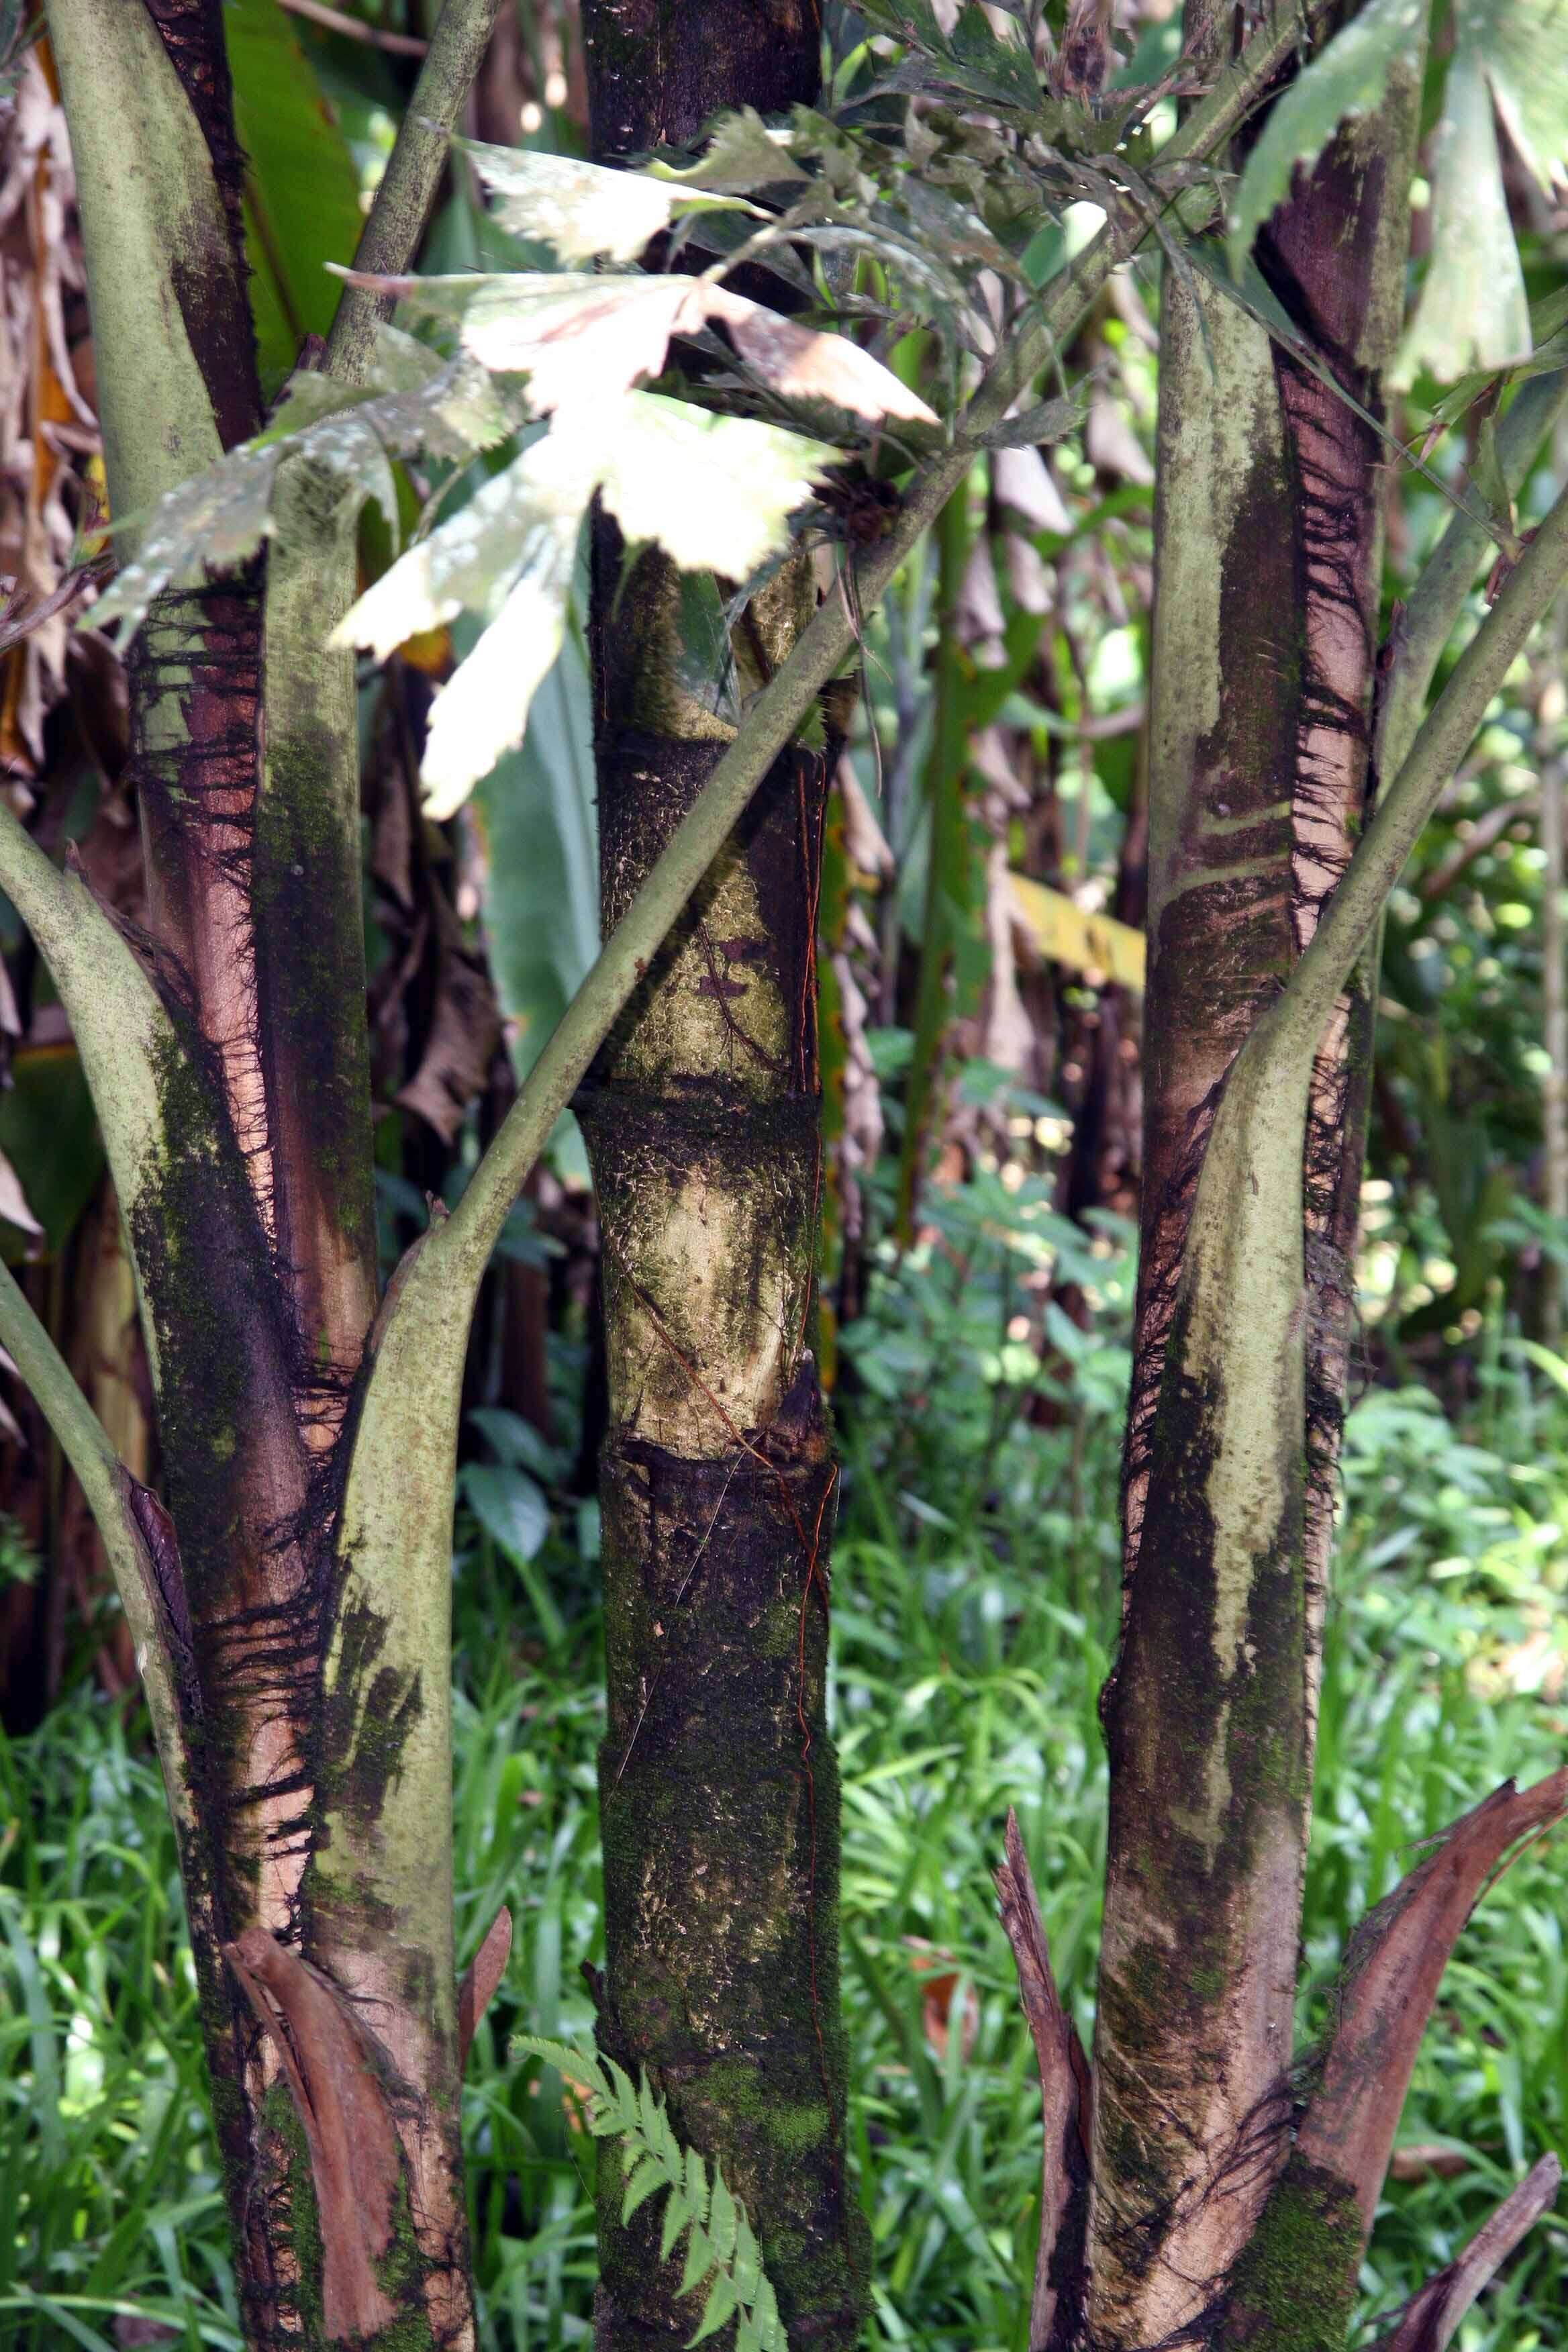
{"x": 979, "y": 962}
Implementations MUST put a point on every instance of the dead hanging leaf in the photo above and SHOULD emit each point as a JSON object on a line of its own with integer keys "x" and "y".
{"x": 944, "y": 2009}
{"x": 1390, "y": 1981}
{"x": 483, "y": 1974}
{"x": 1419, "y": 2161}
{"x": 1086, "y": 57}
{"x": 14, "y": 1206}
{"x": 1113, "y": 444}
{"x": 464, "y": 1031}
{"x": 582, "y": 339}
{"x": 1065, "y": 2101}
{"x": 355, "y": 2155}
{"x": 48, "y": 435}
{"x": 1430, "y": 2321}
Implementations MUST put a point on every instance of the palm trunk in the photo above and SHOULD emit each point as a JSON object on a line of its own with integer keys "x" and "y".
{"x": 1268, "y": 551}
{"x": 717, "y": 1787}
{"x": 308, "y": 1762}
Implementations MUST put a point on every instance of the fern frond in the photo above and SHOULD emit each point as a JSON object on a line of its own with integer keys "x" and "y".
{"x": 722, "y": 2259}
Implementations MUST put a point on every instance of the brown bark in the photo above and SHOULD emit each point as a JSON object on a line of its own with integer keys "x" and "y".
{"x": 255, "y": 1247}
{"x": 1268, "y": 554}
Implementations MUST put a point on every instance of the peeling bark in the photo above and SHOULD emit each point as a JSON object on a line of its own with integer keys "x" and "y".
{"x": 1430, "y": 2320}
{"x": 1268, "y": 555}
{"x": 297, "y": 1745}
{"x": 1313, "y": 2230}
{"x": 341, "y": 2104}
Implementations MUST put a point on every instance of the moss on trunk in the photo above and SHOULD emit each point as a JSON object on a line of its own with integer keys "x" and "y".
{"x": 718, "y": 1790}
{"x": 717, "y": 1787}
{"x": 1268, "y": 552}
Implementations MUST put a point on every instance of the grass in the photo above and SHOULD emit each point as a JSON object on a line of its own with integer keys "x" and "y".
{"x": 969, "y": 1656}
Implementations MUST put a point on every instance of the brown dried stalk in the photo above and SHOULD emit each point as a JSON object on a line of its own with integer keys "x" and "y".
{"x": 1057, "y": 2308}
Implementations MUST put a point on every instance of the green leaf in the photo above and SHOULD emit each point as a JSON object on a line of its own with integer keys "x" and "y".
{"x": 509, "y": 1507}
{"x": 1472, "y": 312}
{"x": 49, "y": 1135}
{"x": 643, "y": 2178}
{"x": 700, "y": 2256}
{"x": 723, "y": 2219}
{"x": 301, "y": 189}
{"x": 742, "y": 154}
{"x": 536, "y": 815}
{"x": 767, "y": 2314}
{"x": 1347, "y": 78}
{"x": 718, "y": 2308}
{"x": 677, "y": 2217}
{"x": 746, "y": 2262}
{"x": 583, "y": 2065}
{"x": 1524, "y": 44}
{"x": 1549, "y": 338}
{"x": 622, "y": 2097}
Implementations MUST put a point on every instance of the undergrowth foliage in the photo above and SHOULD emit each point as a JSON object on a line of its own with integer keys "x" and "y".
{"x": 966, "y": 1681}
{"x": 723, "y": 2261}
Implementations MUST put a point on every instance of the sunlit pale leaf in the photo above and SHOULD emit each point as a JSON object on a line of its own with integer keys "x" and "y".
{"x": 483, "y": 710}
{"x": 581, "y": 210}
{"x": 211, "y": 523}
{"x": 475, "y": 718}
{"x": 1347, "y": 78}
{"x": 580, "y": 338}
{"x": 1524, "y": 44}
{"x": 1473, "y": 312}
{"x": 216, "y": 522}
{"x": 715, "y": 492}
{"x": 470, "y": 562}
{"x": 743, "y": 153}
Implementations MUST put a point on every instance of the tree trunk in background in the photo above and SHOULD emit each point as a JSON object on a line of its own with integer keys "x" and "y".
{"x": 718, "y": 1790}
{"x": 1269, "y": 558}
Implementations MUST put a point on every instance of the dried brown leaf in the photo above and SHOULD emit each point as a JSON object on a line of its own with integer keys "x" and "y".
{"x": 355, "y": 2155}
{"x": 1430, "y": 2320}
{"x": 1390, "y": 1982}
{"x": 483, "y": 1973}
{"x": 1065, "y": 2100}
{"x": 464, "y": 1031}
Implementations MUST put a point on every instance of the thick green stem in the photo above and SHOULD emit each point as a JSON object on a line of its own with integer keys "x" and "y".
{"x": 950, "y": 858}
{"x": 1433, "y": 760}
{"x": 407, "y": 187}
{"x": 1423, "y": 631}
